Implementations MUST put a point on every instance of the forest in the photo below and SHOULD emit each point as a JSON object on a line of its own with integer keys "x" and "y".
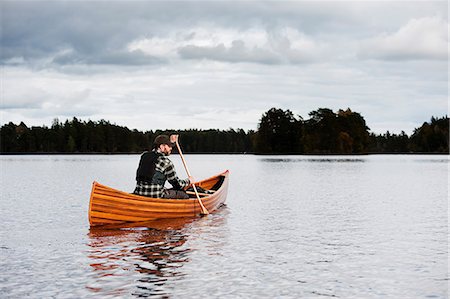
{"x": 279, "y": 132}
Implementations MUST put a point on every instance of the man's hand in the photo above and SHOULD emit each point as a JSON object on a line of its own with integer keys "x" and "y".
{"x": 191, "y": 179}
{"x": 174, "y": 138}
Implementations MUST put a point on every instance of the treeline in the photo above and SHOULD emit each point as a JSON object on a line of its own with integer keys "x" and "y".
{"x": 279, "y": 132}
{"x": 77, "y": 136}
{"x": 343, "y": 132}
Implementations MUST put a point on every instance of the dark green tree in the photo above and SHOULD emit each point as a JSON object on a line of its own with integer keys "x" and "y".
{"x": 353, "y": 132}
{"x": 321, "y": 132}
{"x": 279, "y": 131}
{"x": 8, "y": 138}
{"x": 389, "y": 143}
{"x": 327, "y": 132}
{"x": 432, "y": 137}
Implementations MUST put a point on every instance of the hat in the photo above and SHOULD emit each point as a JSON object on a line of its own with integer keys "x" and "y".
{"x": 162, "y": 139}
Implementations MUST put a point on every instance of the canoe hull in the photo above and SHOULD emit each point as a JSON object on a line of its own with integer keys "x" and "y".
{"x": 111, "y": 206}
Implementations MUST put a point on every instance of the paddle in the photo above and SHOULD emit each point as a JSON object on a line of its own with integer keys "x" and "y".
{"x": 204, "y": 210}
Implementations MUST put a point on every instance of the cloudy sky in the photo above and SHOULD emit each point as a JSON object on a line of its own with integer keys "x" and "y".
{"x": 222, "y": 64}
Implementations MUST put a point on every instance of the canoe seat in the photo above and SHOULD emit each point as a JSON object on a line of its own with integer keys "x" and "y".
{"x": 199, "y": 193}
{"x": 200, "y": 190}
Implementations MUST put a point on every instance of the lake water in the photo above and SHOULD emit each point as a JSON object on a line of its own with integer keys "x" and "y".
{"x": 293, "y": 227}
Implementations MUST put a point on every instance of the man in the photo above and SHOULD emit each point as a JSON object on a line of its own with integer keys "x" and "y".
{"x": 155, "y": 168}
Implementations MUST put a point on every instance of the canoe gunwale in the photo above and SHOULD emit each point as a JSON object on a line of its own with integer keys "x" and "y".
{"x": 109, "y": 205}
{"x": 163, "y": 200}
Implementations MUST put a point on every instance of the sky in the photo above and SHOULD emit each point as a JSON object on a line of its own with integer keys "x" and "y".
{"x": 221, "y": 64}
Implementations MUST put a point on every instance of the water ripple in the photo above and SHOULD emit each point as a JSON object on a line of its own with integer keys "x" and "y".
{"x": 377, "y": 229}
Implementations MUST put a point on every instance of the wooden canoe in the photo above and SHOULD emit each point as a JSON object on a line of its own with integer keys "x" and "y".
{"x": 111, "y": 206}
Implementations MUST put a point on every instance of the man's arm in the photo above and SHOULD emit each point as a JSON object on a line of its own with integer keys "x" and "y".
{"x": 172, "y": 177}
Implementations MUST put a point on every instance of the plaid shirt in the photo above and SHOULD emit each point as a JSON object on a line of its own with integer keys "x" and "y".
{"x": 164, "y": 170}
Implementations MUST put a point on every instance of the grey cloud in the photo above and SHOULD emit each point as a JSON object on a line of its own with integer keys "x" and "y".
{"x": 134, "y": 58}
{"x": 397, "y": 55}
{"x": 93, "y": 32}
{"x": 62, "y": 113}
{"x": 420, "y": 39}
{"x": 378, "y": 52}
{"x": 24, "y": 104}
{"x": 98, "y": 32}
{"x": 90, "y": 42}
{"x": 279, "y": 51}
{"x": 237, "y": 52}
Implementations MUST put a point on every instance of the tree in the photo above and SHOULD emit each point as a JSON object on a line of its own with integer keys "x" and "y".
{"x": 321, "y": 132}
{"x": 278, "y": 132}
{"x": 353, "y": 124}
{"x": 329, "y": 133}
{"x": 8, "y": 138}
{"x": 432, "y": 137}
{"x": 389, "y": 143}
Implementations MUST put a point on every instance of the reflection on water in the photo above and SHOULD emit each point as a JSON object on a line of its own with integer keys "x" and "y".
{"x": 150, "y": 254}
{"x": 309, "y": 160}
{"x": 294, "y": 227}
{"x": 433, "y": 160}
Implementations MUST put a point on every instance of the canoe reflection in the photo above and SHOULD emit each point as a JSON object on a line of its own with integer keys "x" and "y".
{"x": 147, "y": 254}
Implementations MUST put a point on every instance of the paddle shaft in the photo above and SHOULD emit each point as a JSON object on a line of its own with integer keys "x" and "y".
{"x": 204, "y": 210}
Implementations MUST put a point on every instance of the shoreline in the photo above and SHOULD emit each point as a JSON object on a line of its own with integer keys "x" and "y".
{"x": 218, "y": 153}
